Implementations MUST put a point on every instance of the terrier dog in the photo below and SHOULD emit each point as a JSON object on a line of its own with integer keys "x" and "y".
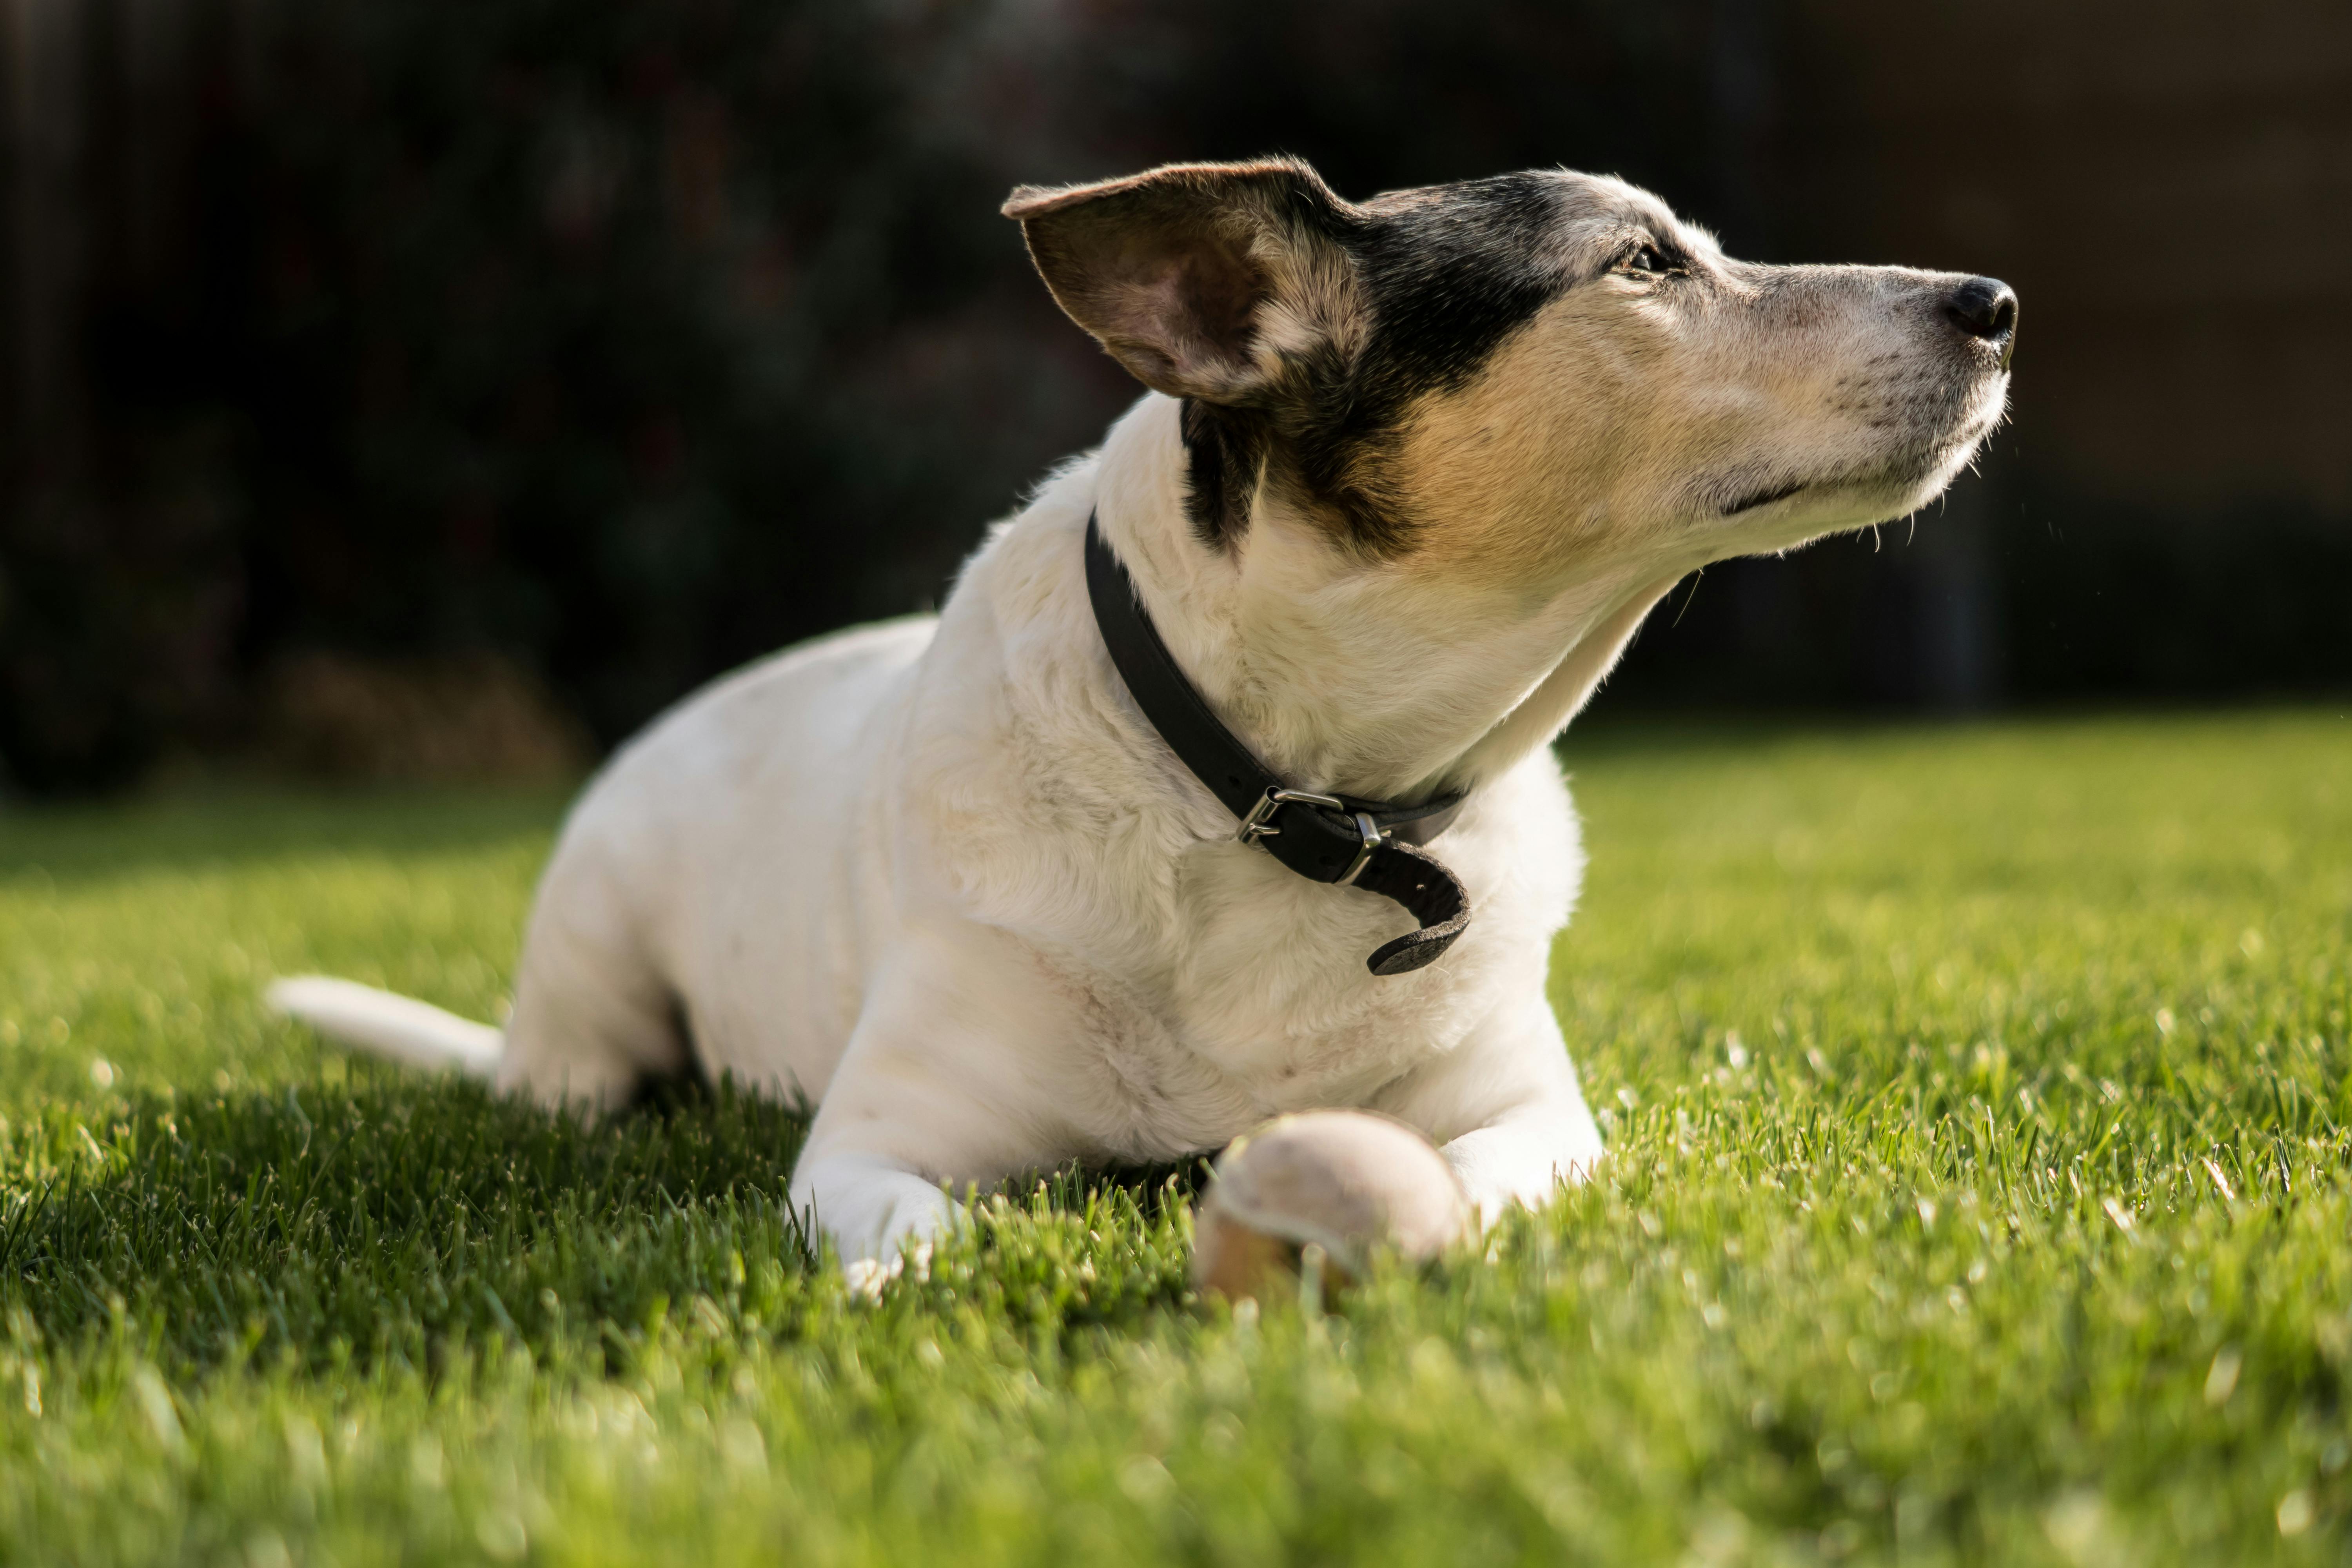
{"x": 1408, "y": 475}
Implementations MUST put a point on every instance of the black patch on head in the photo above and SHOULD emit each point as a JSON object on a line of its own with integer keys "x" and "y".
{"x": 1225, "y": 451}
{"x": 1447, "y": 273}
{"x": 1451, "y": 271}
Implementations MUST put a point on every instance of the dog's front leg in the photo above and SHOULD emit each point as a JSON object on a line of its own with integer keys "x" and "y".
{"x": 1505, "y": 1110}
{"x": 875, "y": 1211}
{"x": 937, "y": 1087}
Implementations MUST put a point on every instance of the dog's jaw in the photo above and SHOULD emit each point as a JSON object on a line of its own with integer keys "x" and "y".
{"x": 1840, "y": 503}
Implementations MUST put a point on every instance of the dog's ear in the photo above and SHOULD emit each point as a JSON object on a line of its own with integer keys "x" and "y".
{"x": 1205, "y": 281}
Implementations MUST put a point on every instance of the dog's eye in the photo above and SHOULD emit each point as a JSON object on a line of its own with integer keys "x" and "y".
{"x": 1649, "y": 261}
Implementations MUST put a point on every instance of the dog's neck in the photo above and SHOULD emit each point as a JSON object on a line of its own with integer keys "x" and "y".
{"x": 1379, "y": 681}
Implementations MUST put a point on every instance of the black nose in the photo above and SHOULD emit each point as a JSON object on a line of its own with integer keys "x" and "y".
{"x": 1984, "y": 308}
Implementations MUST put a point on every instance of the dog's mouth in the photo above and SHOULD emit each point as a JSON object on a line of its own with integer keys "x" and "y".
{"x": 1906, "y": 473}
{"x": 1754, "y": 499}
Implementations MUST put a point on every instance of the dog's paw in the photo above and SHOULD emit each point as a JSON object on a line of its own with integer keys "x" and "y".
{"x": 866, "y": 1277}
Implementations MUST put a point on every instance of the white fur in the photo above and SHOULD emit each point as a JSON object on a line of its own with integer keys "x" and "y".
{"x": 416, "y": 1034}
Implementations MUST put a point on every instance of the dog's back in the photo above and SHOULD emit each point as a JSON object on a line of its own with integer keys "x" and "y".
{"x": 670, "y": 865}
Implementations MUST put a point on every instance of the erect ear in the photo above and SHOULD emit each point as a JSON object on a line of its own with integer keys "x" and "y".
{"x": 1201, "y": 279}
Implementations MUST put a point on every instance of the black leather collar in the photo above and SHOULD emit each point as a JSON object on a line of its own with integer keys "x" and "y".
{"x": 1366, "y": 844}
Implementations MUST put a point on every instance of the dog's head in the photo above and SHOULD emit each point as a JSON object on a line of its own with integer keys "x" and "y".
{"x": 1518, "y": 378}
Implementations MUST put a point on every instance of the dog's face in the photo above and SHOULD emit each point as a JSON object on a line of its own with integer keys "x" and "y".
{"x": 1523, "y": 378}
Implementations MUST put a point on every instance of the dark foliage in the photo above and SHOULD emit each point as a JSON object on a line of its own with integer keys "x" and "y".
{"x": 2067, "y": 598}
{"x": 558, "y": 331}
{"x": 627, "y": 341}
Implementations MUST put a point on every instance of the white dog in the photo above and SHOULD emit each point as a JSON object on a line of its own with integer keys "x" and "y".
{"x": 1409, "y": 475}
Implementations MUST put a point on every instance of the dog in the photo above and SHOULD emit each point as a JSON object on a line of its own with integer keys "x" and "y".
{"x": 1407, "y": 476}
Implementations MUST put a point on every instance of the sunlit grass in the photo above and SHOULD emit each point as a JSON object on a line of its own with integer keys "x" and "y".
{"x": 1978, "y": 1102}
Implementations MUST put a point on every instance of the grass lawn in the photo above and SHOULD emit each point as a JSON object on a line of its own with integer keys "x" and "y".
{"x": 1981, "y": 1108}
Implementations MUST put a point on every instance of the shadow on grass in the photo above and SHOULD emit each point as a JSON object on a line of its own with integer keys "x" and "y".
{"x": 382, "y": 1220}
{"x": 394, "y": 1219}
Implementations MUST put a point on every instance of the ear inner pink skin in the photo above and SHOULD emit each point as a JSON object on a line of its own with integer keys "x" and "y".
{"x": 1168, "y": 270}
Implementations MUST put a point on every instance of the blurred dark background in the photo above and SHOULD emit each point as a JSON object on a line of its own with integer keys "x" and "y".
{"x": 376, "y": 371}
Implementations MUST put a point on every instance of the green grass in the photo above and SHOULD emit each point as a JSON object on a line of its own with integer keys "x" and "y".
{"x": 1979, "y": 1102}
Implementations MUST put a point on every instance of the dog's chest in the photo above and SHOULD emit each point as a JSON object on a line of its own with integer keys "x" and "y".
{"x": 1148, "y": 1087}
{"x": 1257, "y": 1002}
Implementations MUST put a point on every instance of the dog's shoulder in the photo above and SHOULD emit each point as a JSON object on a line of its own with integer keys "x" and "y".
{"x": 1030, "y": 794}
{"x": 777, "y": 714}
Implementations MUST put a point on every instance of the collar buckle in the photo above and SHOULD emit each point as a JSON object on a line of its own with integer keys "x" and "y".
{"x": 1405, "y": 873}
{"x": 1259, "y": 823}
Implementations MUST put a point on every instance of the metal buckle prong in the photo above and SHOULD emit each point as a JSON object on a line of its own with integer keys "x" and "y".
{"x": 1371, "y": 837}
{"x": 1258, "y": 824}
